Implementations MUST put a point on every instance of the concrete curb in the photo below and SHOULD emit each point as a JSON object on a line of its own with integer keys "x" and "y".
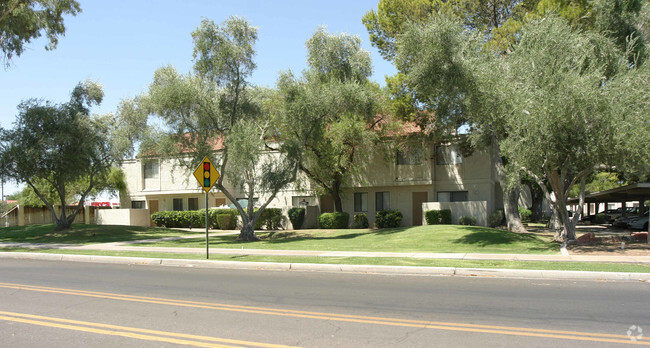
{"x": 332, "y": 268}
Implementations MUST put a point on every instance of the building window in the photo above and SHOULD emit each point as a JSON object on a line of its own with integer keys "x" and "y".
{"x": 361, "y": 201}
{"x": 302, "y": 201}
{"x": 192, "y": 204}
{"x": 151, "y": 170}
{"x": 409, "y": 158}
{"x": 448, "y": 154}
{"x": 452, "y": 196}
{"x": 178, "y": 204}
{"x": 137, "y": 204}
{"x": 382, "y": 201}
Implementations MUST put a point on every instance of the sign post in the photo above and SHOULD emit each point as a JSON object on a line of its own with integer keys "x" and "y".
{"x": 206, "y": 174}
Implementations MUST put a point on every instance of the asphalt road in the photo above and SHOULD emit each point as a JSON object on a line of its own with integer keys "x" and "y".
{"x": 52, "y": 304}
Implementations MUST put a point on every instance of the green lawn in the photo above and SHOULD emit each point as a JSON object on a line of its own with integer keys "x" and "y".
{"x": 435, "y": 238}
{"x": 82, "y": 234}
{"x": 385, "y": 261}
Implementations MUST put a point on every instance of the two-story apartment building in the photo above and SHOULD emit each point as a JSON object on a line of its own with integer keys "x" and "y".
{"x": 438, "y": 173}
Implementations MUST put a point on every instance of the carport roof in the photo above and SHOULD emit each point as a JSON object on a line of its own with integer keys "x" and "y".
{"x": 629, "y": 193}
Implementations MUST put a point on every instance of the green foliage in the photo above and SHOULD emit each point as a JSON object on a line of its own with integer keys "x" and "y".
{"x": 432, "y": 217}
{"x": 438, "y": 217}
{"x": 195, "y": 218}
{"x": 496, "y": 219}
{"x": 328, "y": 112}
{"x": 21, "y": 21}
{"x": 360, "y": 221}
{"x": 525, "y": 215}
{"x": 297, "y": 217}
{"x": 388, "y": 218}
{"x": 601, "y": 218}
{"x": 270, "y": 218}
{"x": 227, "y": 221}
{"x": 61, "y": 148}
{"x": 445, "y": 216}
{"x": 214, "y": 111}
{"x": 334, "y": 220}
{"x": 467, "y": 220}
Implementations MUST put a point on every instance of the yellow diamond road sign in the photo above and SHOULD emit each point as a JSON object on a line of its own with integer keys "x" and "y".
{"x": 206, "y": 174}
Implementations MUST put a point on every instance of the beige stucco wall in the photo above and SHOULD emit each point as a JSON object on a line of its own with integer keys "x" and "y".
{"x": 126, "y": 217}
{"x": 477, "y": 209}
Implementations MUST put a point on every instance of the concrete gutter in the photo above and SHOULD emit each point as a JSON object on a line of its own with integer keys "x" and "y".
{"x": 310, "y": 267}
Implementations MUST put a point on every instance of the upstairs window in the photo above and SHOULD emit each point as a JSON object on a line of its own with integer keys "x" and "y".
{"x": 151, "y": 170}
{"x": 448, "y": 154}
{"x": 408, "y": 158}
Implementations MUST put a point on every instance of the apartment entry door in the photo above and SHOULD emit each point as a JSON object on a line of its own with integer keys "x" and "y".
{"x": 418, "y": 199}
{"x": 153, "y": 208}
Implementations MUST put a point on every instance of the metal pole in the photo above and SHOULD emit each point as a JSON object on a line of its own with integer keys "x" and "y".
{"x": 207, "y": 222}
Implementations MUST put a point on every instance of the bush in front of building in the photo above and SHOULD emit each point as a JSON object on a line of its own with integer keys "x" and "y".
{"x": 271, "y": 219}
{"x": 194, "y": 218}
{"x": 496, "y": 219}
{"x": 525, "y": 215}
{"x": 297, "y": 217}
{"x": 438, "y": 217}
{"x": 388, "y": 218}
{"x": 360, "y": 221}
{"x": 334, "y": 220}
{"x": 467, "y": 220}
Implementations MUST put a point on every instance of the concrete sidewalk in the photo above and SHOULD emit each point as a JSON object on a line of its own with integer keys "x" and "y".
{"x": 516, "y": 273}
{"x": 129, "y": 246}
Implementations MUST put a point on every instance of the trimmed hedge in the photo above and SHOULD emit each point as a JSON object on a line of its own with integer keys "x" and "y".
{"x": 333, "y": 220}
{"x": 388, "y": 218}
{"x": 438, "y": 217}
{"x": 193, "y": 218}
{"x": 297, "y": 217}
{"x": 467, "y": 220}
{"x": 525, "y": 215}
{"x": 360, "y": 221}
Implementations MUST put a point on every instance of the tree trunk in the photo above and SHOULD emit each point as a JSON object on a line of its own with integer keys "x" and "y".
{"x": 336, "y": 196}
{"x": 247, "y": 233}
{"x": 510, "y": 196}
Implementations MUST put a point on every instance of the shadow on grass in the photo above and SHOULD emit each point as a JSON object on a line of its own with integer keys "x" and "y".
{"x": 79, "y": 234}
{"x": 489, "y": 237}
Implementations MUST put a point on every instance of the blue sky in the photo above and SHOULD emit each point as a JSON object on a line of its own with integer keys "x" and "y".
{"x": 121, "y": 43}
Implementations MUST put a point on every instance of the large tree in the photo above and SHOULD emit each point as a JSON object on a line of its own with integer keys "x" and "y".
{"x": 215, "y": 106}
{"x": 554, "y": 106}
{"x": 333, "y": 110}
{"x": 59, "y": 145}
{"x": 24, "y": 20}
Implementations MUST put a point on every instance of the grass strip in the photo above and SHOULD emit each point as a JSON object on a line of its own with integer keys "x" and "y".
{"x": 384, "y": 261}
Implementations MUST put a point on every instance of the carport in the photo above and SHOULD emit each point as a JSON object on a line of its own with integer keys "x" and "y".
{"x": 639, "y": 192}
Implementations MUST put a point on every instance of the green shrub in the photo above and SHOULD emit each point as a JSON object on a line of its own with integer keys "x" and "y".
{"x": 525, "y": 215}
{"x": 271, "y": 219}
{"x": 467, "y": 220}
{"x": 601, "y": 218}
{"x": 360, "y": 221}
{"x": 297, "y": 217}
{"x": 432, "y": 217}
{"x": 388, "y": 218}
{"x": 496, "y": 219}
{"x": 437, "y": 217}
{"x": 445, "y": 216}
{"x": 334, "y": 220}
{"x": 213, "y": 215}
{"x": 226, "y": 221}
